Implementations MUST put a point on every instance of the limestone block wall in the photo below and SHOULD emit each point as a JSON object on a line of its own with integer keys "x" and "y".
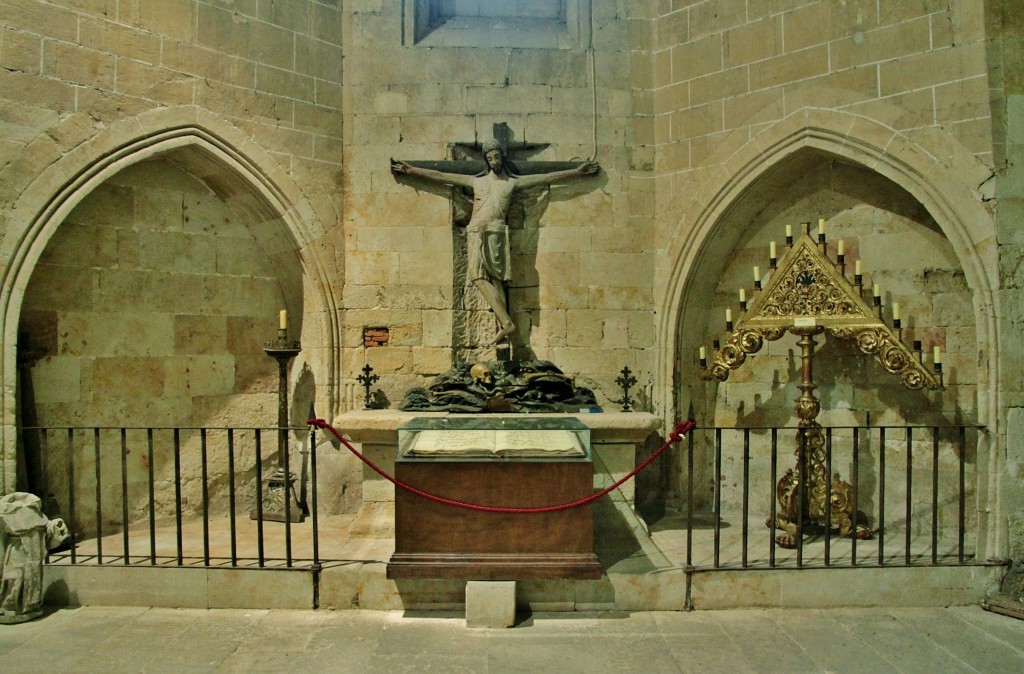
{"x": 79, "y": 80}
{"x": 761, "y": 116}
{"x": 150, "y": 307}
{"x": 581, "y": 279}
{"x": 1006, "y": 46}
{"x": 724, "y": 66}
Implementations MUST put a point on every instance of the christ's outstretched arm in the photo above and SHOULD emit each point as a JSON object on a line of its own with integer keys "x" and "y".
{"x": 402, "y": 168}
{"x": 588, "y": 168}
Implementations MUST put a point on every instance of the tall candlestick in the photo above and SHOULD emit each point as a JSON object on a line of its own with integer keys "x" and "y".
{"x": 728, "y": 315}
{"x": 876, "y": 291}
{"x": 895, "y": 311}
{"x": 856, "y": 268}
{"x": 841, "y": 247}
{"x": 771, "y": 250}
{"x": 703, "y": 353}
{"x": 283, "y": 320}
{"x": 757, "y": 274}
{"x": 789, "y": 231}
{"x": 821, "y": 226}
{"x": 743, "y": 295}
{"x": 937, "y": 355}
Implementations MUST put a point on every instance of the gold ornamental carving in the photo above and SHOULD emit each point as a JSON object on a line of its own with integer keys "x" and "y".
{"x": 807, "y": 294}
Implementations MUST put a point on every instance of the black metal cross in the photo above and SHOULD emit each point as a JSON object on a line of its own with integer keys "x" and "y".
{"x": 367, "y": 379}
{"x": 626, "y": 380}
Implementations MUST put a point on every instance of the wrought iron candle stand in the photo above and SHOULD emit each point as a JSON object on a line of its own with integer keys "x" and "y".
{"x": 280, "y": 499}
{"x": 808, "y": 294}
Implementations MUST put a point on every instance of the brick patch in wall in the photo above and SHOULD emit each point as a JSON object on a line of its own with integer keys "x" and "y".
{"x": 375, "y": 336}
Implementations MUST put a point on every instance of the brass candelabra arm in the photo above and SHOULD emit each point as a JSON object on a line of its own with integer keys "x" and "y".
{"x": 893, "y": 355}
{"x": 732, "y": 354}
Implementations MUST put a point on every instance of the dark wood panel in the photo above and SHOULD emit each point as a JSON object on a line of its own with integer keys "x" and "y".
{"x": 435, "y": 540}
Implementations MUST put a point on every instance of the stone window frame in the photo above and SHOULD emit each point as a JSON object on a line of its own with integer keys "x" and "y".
{"x": 422, "y": 26}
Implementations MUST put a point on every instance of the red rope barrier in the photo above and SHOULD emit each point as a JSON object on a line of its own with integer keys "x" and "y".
{"x": 677, "y": 434}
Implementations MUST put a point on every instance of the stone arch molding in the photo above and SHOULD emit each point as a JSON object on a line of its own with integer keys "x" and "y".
{"x": 947, "y": 185}
{"x": 31, "y": 221}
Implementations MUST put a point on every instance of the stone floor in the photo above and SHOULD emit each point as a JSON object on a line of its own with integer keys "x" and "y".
{"x": 111, "y": 639}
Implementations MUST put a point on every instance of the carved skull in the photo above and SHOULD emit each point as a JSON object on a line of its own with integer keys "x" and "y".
{"x": 481, "y": 374}
{"x": 56, "y": 533}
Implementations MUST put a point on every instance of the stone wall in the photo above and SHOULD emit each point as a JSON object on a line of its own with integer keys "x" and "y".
{"x": 1003, "y": 22}
{"x": 716, "y": 122}
{"x": 150, "y": 308}
{"x": 81, "y": 82}
{"x": 762, "y": 115}
{"x": 581, "y": 285}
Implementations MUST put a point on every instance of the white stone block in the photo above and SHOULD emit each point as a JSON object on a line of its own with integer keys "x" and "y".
{"x": 490, "y": 603}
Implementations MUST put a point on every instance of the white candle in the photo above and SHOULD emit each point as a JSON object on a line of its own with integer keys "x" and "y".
{"x": 895, "y": 311}
{"x": 856, "y": 268}
{"x": 703, "y": 353}
{"x": 743, "y": 295}
{"x": 877, "y": 291}
{"x": 728, "y": 315}
{"x": 821, "y": 226}
{"x": 937, "y": 355}
{"x": 757, "y": 274}
{"x": 283, "y": 320}
{"x": 789, "y": 231}
{"x": 841, "y": 247}
{"x": 771, "y": 250}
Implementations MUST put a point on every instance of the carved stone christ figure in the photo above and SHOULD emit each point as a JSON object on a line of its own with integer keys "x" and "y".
{"x": 487, "y": 235}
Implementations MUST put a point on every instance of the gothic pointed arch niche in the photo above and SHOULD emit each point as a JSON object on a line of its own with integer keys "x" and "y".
{"x": 220, "y": 169}
{"x": 882, "y": 193}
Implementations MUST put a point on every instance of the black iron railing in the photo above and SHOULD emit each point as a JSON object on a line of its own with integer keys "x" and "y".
{"x": 149, "y": 495}
{"x": 912, "y": 491}
{"x": 196, "y": 497}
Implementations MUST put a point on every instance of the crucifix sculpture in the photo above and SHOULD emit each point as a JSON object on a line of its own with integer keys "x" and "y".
{"x": 493, "y": 185}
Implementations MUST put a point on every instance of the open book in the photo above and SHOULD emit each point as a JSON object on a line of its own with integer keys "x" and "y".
{"x": 489, "y": 442}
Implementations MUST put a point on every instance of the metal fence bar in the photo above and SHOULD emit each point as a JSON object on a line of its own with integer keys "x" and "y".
{"x": 910, "y": 496}
{"x": 282, "y": 445}
{"x": 935, "y": 496}
{"x": 177, "y": 493}
{"x": 855, "y": 481}
{"x": 231, "y": 496}
{"x": 828, "y": 497}
{"x": 689, "y": 499}
{"x": 746, "y": 495}
{"x": 206, "y": 496}
{"x": 962, "y": 495}
{"x": 801, "y": 488}
{"x": 71, "y": 491}
{"x": 151, "y": 485}
{"x": 99, "y": 497}
{"x": 718, "y": 497}
{"x": 312, "y": 496}
{"x": 124, "y": 494}
{"x": 44, "y": 471}
{"x": 259, "y": 498}
{"x": 881, "y": 496}
{"x": 771, "y": 498}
